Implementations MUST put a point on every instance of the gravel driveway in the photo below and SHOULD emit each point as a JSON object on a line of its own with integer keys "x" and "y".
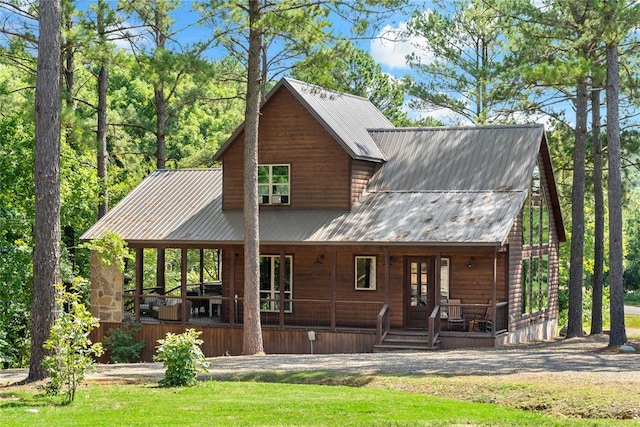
{"x": 578, "y": 357}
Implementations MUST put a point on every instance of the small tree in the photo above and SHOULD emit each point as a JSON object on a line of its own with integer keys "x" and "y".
{"x": 182, "y": 357}
{"x": 71, "y": 349}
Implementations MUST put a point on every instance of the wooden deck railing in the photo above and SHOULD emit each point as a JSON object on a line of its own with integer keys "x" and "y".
{"x": 382, "y": 324}
{"x": 434, "y": 326}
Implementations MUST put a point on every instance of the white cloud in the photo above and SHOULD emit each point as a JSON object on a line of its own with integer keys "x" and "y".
{"x": 392, "y": 45}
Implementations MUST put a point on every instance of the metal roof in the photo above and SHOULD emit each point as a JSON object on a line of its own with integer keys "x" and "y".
{"x": 458, "y": 158}
{"x": 185, "y": 206}
{"x": 346, "y": 117}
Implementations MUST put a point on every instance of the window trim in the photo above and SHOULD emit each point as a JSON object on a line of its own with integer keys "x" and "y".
{"x": 373, "y": 282}
{"x": 271, "y": 184}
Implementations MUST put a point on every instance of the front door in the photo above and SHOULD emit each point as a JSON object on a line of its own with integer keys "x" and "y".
{"x": 419, "y": 291}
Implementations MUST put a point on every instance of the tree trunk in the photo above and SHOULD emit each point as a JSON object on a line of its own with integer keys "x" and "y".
{"x": 618, "y": 334}
{"x": 598, "y": 241}
{"x": 252, "y": 337}
{"x": 160, "y": 127}
{"x": 574, "y": 326}
{"x": 101, "y": 137}
{"x": 46, "y": 254}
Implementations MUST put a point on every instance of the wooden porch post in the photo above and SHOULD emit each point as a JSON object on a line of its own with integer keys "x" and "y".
{"x": 201, "y": 271}
{"x": 281, "y": 290}
{"x": 139, "y": 280}
{"x": 183, "y": 285}
{"x": 438, "y": 294}
{"x": 495, "y": 285}
{"x": 387, "y": 276}
{"x": 232, "y": 288}
{"x": 161, "y": 281}
{"x": 334, "y": 289}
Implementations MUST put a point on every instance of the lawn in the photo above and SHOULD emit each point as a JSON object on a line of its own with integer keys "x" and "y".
{"x": 255, "y": 403}
{"x": 322, "y": 398}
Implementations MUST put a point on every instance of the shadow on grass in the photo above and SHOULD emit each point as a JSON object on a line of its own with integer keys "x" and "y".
{"x": 314, "y": 377}
{"x": 28, "y": 400}
{"x": 309, "y": 377}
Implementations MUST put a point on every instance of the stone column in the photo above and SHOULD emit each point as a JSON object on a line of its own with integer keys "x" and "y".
{"x": 106, "y": 291}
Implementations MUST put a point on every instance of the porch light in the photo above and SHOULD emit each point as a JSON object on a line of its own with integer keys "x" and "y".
{"x": 470, "y": 263}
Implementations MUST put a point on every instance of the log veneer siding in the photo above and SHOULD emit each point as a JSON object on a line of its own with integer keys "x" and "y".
{"x": 320, "y": 177}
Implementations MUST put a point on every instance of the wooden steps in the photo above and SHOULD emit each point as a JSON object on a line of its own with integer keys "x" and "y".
{"x": 406, "y": 340}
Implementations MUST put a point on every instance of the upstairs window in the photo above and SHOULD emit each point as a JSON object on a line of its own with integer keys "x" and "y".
{"x": 273, "y": 184}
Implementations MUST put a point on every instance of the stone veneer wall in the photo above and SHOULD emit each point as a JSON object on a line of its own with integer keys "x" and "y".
{"x": 106, "y": 291}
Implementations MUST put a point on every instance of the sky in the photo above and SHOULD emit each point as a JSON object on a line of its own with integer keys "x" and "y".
{"x": 387, "y": 47}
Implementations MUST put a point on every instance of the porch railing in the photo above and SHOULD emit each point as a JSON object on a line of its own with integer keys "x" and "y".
{"x": 304, "y": 313}
{"x": 382, "y": 324}
{"x": 434, "y": 326}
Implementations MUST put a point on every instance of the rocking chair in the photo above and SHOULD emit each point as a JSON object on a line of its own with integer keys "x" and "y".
{"x": 456, "y": 315}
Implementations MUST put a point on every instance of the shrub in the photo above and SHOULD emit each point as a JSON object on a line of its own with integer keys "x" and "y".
{"x": 71, "y": 349}
{"x": 122, "y": 345}
{"x": 182, "y": 357}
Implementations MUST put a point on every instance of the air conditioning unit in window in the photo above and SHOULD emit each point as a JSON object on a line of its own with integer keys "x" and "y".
{"x": 276, "y": 200}
{"x": 264, "y": 200}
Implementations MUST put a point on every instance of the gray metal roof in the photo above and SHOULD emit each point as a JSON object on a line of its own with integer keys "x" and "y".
{"x": 180, "y": 206}
{"x": 346, "y": 117}
{"x": 458, "y": 158}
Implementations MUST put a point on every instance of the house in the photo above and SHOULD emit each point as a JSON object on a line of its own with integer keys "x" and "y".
{"x": 371, "y": 237}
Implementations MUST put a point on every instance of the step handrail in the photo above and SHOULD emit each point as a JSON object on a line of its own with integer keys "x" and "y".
{"x": 382, "y": 324}
{"x": 434, "y": 327}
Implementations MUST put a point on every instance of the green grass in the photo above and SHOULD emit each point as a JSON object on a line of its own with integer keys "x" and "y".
{"x": 632, "y": 321}
{"x": 255, "y": 403}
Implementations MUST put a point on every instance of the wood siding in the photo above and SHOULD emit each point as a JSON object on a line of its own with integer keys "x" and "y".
{"x": 314, "y": 270}
{"x": 361, "y": 173}
{"x": 521, "y": 320}
{"x": 319, "y": 167}
{"x": 220, "y": 341}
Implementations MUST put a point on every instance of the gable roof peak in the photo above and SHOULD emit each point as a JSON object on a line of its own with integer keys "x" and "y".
{"x": 347, "y": 118}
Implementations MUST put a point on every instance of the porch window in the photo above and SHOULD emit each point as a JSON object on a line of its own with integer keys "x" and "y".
{"x": 535, "y": 284}
{"x": 273, "y": 184}
{"x": 366, "y": 273}
{"x": 270, "y": 283}
{"x": 444, "y": 287}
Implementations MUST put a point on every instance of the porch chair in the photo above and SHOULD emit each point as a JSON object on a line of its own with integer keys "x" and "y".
{"x": 485, "y": 324}
{"x": 173, "y": 311}
{"x": 456, "y": 315}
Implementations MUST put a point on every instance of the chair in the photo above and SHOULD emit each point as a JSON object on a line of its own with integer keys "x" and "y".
{"x": 485, "y": 323}
{"x": 456, "y": 315}
{"x": 172, "y": 312}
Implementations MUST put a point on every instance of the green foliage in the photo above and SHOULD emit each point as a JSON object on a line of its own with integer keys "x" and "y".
{"x": 182, "y": 357}
{"x": 347, "y": 69}
{"x": 587, "y": 299}
{"x": 111, "y": 249}
{"x": 632, "y": 298}
{"x": 121, "y": 344}
{"x": 71, "y": 349}
{"x": 465, "y": 71}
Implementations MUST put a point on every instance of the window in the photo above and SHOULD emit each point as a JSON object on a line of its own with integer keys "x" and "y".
{"x": 366, "y": 272}
{"x": 273, "y": 184}
{"x": 444, "y": 287}
{"x": 535, "y": 284}
{"x": 270, "y": 283}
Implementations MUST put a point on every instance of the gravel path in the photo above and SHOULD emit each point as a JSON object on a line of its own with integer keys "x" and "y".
{"x": 574, "y": 358}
